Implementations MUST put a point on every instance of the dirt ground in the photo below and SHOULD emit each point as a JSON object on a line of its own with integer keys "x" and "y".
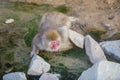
{"x": 15, "y": 38}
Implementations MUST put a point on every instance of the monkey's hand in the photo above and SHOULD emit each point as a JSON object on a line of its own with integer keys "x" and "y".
{"x": 31, "y": 54}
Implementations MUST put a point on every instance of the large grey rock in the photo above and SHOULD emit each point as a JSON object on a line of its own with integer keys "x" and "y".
{"x": 38, "y": 66}
{"x": 49, "y": 76}
{"x": 93, "y": 50}
{"x": 112, "y": 48}
{"x": 76, "y": 38}
{"x": 15, "y": 76}
{"x": 103, "y": 70}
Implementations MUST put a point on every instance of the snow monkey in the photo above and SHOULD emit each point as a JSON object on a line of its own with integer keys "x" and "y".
{"x": 52, "y": 33}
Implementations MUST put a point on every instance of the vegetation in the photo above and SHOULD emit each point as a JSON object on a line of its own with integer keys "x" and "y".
{"x": 9, "y": 57}
{"x": 32, "y": 30}
{"x": 96, "y": 34}
{"x": 29, "y": 7}
{"x": 74, "y": 53}
{"x": 62, "y": 9}
{"x": 8, "y": 16}
{"x": 32, "y": 7}
{"x": 25, "y": 30}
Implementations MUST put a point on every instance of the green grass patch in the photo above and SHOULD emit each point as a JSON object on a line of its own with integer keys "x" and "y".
{"x": 96, "y": 34}
{"x": 32, "y": 26}
{"x": 30, "y": 7}
{"x": 20, "y": 67}
{"x": 33, "y": 7}
{"x": 32, "y": 30}
{"x": 62, "y": 9}
{"x": 74, "y": 52}
{"x": 9, "y": 57}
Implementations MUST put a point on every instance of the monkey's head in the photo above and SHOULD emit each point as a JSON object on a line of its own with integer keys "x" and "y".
{"x": 52, "y": 41}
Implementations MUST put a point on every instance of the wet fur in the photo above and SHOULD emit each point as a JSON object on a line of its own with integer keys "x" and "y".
{"x": 52, "y": 26}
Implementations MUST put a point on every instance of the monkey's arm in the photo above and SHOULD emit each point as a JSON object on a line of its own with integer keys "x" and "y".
{"x": 34, "y": 51}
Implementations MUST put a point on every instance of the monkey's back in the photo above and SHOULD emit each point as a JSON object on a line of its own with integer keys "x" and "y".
{"x": 53, "y": 20}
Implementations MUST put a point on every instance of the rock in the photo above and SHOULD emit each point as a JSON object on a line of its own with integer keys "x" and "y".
{"x": 104, "y": 70}
{"x": 15, "y": 76}
{"x": 49, "y": 76}
{"x": 38, "y": 66}
{"x": 76, "y": 38}
{"x": 9, "y": 21}
{"x": 112, "y": 48}
{"x": 93, "y": 50}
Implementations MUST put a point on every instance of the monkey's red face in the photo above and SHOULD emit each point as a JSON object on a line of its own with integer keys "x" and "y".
{"x": 55, "y": 45}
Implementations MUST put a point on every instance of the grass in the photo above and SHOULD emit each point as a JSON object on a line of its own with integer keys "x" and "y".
{"x": 96, "y": 34}
{"x": 9, "y": 57}
{"x": 33, "y": 7}
{"x": 62, "y": 9}
{"x": 32, "y": 30}
{"x": 74, "y": 52}
{"x": 58, "y": 67}
{"x": 30, "y": 7}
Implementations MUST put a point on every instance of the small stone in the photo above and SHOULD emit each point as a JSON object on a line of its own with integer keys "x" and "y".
{"x": 76, "y": 38}
{"x": 111, "y": 17}
{"x": 9, "y": 21}
{"x": 38, "y": 66}
{"x": 15, "y": 76}
{"x": 93, "y": 50}
{"x": 49, "y": 76}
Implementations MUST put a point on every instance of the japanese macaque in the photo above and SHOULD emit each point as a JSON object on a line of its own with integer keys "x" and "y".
{"x": 52, "y": 34}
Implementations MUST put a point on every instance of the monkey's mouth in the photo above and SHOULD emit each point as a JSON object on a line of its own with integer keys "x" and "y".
{"x": 55, "y": 49}
{"x": 55, "y": 46}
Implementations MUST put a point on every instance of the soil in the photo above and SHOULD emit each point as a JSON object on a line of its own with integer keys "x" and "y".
{"x": 99, "y": 18}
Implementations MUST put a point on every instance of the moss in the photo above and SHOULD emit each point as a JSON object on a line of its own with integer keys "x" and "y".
{"x": 74, "y": 52}
{"x": 96, "y": 34}
{"x": 60, "y": 64}
{"x": 29, "y": 36}
{"x": 21, "y": 6}
{"x": 63, "y": 70}
{"x": 59, "y": 68}
{"x": 45, "y": 57}
{"x": 20, "y": 67}
{"x": 32, "y": 30}
{"x": 11, "y": 43}
{"x": 30, "y": 7}
{"x": 9, "y": 57}
{"x": 62, "y": 9}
